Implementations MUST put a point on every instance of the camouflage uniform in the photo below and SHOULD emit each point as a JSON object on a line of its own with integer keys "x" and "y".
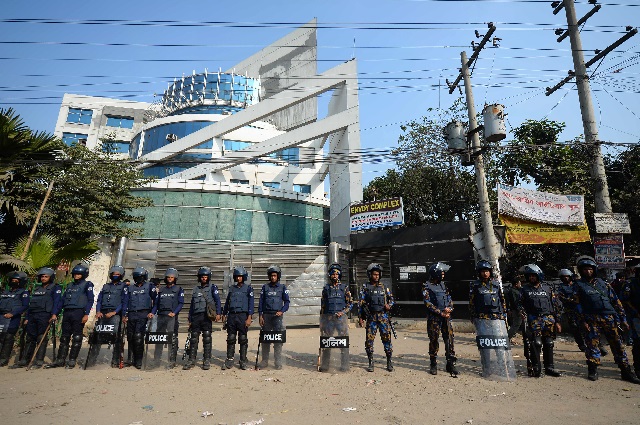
{"x": 474, "y": 302}
{"x": 376, "y": 320}
{"x": 436, "y": 323}
{"x": 566, "y": 296}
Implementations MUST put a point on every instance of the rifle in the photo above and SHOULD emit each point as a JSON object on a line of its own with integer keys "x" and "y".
{"x": 258, "y": 353}
{"x": 123, "y": 332}
{"x": 35, "y": 353}
{"x": 393, "y": 329}
{"x": 529, "y": 349}
{"x": 54, "y": 332}
{"x": 187, "y": 344}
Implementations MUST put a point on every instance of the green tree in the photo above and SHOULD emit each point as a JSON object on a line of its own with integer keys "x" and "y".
{"x": 623, "y": 174}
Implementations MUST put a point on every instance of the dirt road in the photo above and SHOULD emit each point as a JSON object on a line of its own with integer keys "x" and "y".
{"x": 298, "y": 394}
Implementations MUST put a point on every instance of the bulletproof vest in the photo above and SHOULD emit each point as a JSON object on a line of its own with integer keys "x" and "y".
{"x": 42, "y": 299}
{"x": 10, "y": 300}
{"x": 111, "y": 296}
{"x": 139, "y": 297}
{"x": 438, "y": 295}
{"x": 200, "y": 297}
{"x": 566, "y": 290}
{"x": 537, "y": 301}
{"x": 168, "y": 299}
{"x": 239, "y": 301}
{"x": 375, "y": 297}
{"x": 273, "y": 298}
{"x": 336, "y": 301}
{"x": 75, "y": 296}
{"x": 594, "y": 299}
{"x": 487, "y": 299}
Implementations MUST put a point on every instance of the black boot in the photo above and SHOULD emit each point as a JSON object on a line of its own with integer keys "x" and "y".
{"x": 63, "y": 350}
{"x": 433, "y": 365}
{"x": 76, "y": 343}
{"x": 627, "y": 374}
{"x": 193, "y": 351}
{"x": 592, "y": 374}
{"x": 42, "y": 351}
{"x": 206, "y": 348}
{"x": 547, "y": 355}
{"x": 451, "y": 367}
{"x": 27, "y": 354}
{"x": 370, "y": 368}
{"x": 6, "y": 348}
{"x": 389, "y": 364}
{"x": 244, "y": 347}
{"x": 231, "y": 351}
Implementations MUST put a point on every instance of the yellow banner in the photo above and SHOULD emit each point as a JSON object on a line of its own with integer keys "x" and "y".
{"x": 533, "y": 233}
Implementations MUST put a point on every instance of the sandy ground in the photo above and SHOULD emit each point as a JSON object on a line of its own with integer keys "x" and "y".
{"x": 298, "y": 394}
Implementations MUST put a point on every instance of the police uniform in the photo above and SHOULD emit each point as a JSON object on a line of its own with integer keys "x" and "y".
{"x": 238, "y": 307}
{"x": 77, "y": 301}
{"x": 142, "y": 296}
{"x": 170, "y": 300}
{"x": 372, "y": 301}
{"x": 274, "y": 298}
{"x": 540, "y": 305}
{"x": 437, "y": 298}
{"x": 630, "y": 297}
{"x": 601, "y": 310}
{"x": 486, "y": 300}
{"x": 13, "y": 302}
{"x": 513, "y": 295}
{"x": 45, "y": 303}
{"x": 112, "y": 298}
{"x": 200, "y": 321}
{"x": 566, "y": 295}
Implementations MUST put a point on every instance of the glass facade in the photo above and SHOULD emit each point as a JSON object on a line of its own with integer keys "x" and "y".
{"x": 232, "y": 217}
{"x": 119, "y": 122}
{"x": 71, "y": 138}
{"x": 302, "y": 188}
{"x": 272, "y": 185}
{"x": 116, "y": 147}
{"x": 79, "y": 116}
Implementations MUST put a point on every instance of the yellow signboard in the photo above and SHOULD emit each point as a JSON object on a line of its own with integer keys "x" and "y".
{"x": 533, "y": 233}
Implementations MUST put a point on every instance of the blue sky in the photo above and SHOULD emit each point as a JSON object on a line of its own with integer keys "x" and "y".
{"x": 405, "y": 50}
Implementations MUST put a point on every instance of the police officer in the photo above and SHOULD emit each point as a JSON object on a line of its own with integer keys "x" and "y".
{"x": 204, "y": 294}
{"x": 335, "y": 304}
{"x": 513, "y": 296}
{"x": 14, "y": 301}
{"x": 630, "y": 297}
{"x": 44, "y": 307}
{"x": 486, "y": 299}
{"x": 600, "y": 312}
{"x": 77, "y": 301}
{"x": 566, "y": 292}
{"x": 167, "y": 306}
{"x": 237, "y": 314}
{"x": 439, "y": 308}
{"x": 541, "y": 307}
{"x": 142, "y": 296}
{"x": 376, "y": 301}
{"x": 273, "y": 303}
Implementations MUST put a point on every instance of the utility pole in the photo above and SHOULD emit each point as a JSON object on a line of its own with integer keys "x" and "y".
{"x": 492, "y": 246}
{"x": 602, "y": 200}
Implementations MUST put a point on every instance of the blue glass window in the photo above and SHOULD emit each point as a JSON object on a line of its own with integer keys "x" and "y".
{"x": 79, "y": 116}
{"x": 235, "y": 145}
{"x": 119, "y": 122}
{"x": 72, "y": 138}
{"x": 290, "y": 155}
{"x": 117, "y": 146}
{"x": 239, "y": 181}
{"x": 273, "y": 185}
{"x": 302, "y": 188}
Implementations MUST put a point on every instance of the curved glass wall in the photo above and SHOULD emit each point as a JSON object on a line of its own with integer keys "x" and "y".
{"x": 232, "y": 217}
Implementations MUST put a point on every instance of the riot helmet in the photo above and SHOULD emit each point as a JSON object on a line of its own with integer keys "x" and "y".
{"x": 171, "y": 272}
{"x": 204, "y": 271}
{"x": 334, "y": 267}
{"x": 240, "y": 271}
{"x": 80, "y": 269}
{"x": 119, "y": 270}
{"x": 484, "y": 265}
{"x": 436, "y": 270}
{"x": 529, "y": 269}
{"x": 274, "y": 269}
{"x": 46, "y": 271}
{"x": 140, "y": 274}
{"x": 584, "y": 262}
{"x": 21, "y": 278}
{"x": 565, "y": 272}
{"x": 374, "y": 267}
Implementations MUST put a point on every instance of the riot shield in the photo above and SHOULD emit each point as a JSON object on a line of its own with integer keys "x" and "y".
{"x": 4, "y": 324}
{"x": 106, "y": 332}
{"x": 159, "y": 340}
{"x": 273, "y": 336}
{"x": 333, "y": 353}
{"x": 495, "y": 351}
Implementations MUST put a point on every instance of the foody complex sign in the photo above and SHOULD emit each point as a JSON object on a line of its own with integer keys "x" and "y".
{"x": 382, "y": 213}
